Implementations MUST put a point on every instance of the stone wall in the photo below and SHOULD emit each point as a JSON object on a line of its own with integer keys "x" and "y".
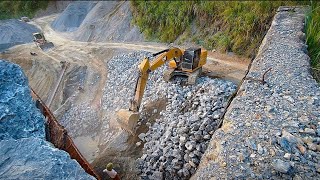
{"x": 271, "y": 130}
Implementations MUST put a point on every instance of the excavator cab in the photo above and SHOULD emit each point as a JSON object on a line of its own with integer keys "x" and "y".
{"x": 191, "y": 59}
{"x": 187, "y": 63}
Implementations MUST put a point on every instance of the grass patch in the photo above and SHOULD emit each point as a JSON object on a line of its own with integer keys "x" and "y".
{"x": 237, "y": 26}
{"x": 313, "y": 38}
{"x": 17, "y": 9}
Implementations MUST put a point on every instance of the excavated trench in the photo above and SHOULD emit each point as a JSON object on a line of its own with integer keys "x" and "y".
{"x": 100, "y": 80}
{"x": 71, "y": 108}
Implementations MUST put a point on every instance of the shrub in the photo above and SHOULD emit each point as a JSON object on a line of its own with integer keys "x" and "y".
{"x": 16, "y": 9}
{"x": 313, "y": 38}
{"x": 238, "y": 26}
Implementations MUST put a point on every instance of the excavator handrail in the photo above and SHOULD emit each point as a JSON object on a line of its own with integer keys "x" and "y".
{"x": 156, "y": 54}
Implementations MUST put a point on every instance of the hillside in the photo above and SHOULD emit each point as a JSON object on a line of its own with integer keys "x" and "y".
{"x": 238, "y": 27}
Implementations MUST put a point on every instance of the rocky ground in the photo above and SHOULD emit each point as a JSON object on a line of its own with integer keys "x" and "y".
{"x": 271, "y": 130}
{"x": 177, "y": 140}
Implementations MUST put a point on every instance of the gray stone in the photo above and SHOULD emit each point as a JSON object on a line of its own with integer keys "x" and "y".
{"x": 251, "y": 143}
{"x": 282, "y": 166}
{"x": 309, "y": 131}
{"x": 142, "y": 136}
{"x": 260, "y": 149}
{"x": 19, "y": 116}
{"x": 31, "y": 158}
{"x": 190, "y": 145}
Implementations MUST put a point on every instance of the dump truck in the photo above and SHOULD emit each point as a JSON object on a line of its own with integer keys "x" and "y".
{"x": 187, "y": 62}
{"x": 41, "y": 41}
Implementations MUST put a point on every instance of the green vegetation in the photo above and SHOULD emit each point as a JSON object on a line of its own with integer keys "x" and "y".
{"x": 16, "y": 9}
{"x": 313, "y": 38}
{"x": 227, "y": 26}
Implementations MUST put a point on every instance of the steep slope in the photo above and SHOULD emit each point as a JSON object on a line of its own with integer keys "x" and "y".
{"x": 72, "y": 16}
{"x": 106, "y": 21}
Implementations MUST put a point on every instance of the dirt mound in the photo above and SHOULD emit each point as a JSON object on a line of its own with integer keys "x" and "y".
{"x": 100, "y": 22}
{"x": 15, "y": 32}
{"x": 71, "y": 18}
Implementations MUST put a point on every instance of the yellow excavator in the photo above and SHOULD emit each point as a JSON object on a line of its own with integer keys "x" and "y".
{"x": 187, "y": 62}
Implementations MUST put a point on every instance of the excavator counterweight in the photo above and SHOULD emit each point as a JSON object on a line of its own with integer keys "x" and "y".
{"x": 187, "y": 62}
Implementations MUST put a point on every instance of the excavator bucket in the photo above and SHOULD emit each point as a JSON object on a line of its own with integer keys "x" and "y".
{"x": 46, "y": 46}
{"x": 128, "y": 120}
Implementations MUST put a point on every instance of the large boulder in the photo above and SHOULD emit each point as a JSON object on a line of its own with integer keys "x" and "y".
{"x": 19, "y": 117}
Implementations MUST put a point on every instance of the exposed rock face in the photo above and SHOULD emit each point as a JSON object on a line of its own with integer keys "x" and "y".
{"x": 24, "y": 153}
{"x": 32, "y": 158}
{"x": 19, "y": 117}
{"x": 270, "y": 130}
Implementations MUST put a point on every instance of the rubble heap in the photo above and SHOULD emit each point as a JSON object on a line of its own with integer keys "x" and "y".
{"x": 175, "y": 143}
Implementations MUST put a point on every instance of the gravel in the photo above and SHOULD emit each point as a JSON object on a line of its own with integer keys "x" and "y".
{"x": 14, "y": 32}
{"x": 277, "y": 121}
{"x": 98, "y": 22}
{"x": 71, "y": 18}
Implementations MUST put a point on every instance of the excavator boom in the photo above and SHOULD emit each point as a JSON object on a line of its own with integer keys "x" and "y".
{"x": 128, "y": 118}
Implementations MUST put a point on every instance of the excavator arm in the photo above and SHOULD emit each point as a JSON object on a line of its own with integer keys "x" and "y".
{"x": 145, "y": 68}
{"x": 129, "y": 118}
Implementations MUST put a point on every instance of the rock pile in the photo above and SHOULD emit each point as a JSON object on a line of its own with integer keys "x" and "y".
{"x": 175, "y": 143}
{"x": 122, "y": 75}
{"x": 101, "y": 21}
{"x": 71, "y": 18}
{"x": 81, "y": 120}
{"x": 15, "y": 32}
